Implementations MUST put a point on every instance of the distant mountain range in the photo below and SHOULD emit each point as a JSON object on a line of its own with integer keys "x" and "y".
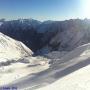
{"x": 47, "y": 36}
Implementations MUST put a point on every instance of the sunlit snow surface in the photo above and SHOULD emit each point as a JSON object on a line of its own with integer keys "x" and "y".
{"x": 16, "y": 61}
{"x": 15, "y": 71}
{"x": 69, "y": 72}
{"x": 78, "y": 80}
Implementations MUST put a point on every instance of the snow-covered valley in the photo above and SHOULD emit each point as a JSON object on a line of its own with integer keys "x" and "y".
{"x": 60, "y": 60}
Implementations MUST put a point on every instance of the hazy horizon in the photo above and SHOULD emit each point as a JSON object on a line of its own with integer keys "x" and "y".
{"x": 43, "y": 10}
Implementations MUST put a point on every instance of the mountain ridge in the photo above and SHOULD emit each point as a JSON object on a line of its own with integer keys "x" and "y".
{"x": 54, "y": 35}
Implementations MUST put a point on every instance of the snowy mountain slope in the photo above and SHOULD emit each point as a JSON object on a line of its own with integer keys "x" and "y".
{"x": 23, "y": 30}
{"x": 12, "y": 49}
{"x": 16, "y": 61}
{"x": 78, "y": 80}
{"x": 11, "y": 73}
{"x": 55, "y": 54}
{"x": 72, "y": 61}
{"x": 44, "y": 26}
{"x": 65, "y": 35}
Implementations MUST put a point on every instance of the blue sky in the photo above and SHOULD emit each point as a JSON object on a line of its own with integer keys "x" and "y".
{"x": 41, "y": 9}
